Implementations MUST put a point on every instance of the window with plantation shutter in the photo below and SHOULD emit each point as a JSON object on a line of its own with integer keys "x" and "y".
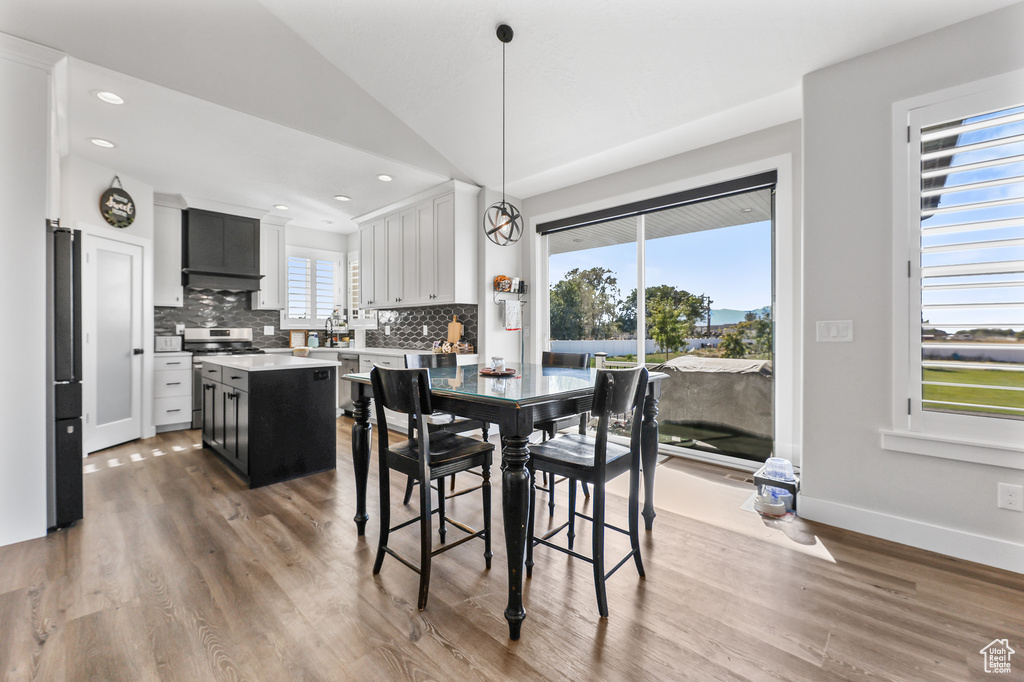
{"x": 964, "y": 221}
{"x": 314, "y": 282}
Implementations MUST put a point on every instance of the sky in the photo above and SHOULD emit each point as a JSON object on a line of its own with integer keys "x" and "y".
{"x": 733, "y": 265}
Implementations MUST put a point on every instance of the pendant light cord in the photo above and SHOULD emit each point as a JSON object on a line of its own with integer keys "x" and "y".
{"x": 503, "y": 122}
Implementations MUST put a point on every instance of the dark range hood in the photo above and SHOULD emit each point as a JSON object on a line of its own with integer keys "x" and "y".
{"x": 220, "y": 251}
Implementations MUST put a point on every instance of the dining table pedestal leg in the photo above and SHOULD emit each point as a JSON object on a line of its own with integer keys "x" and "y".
{"x": 362, "y": 431}
{"x": 649, "y": 450}
{"x": 515, "y": 501}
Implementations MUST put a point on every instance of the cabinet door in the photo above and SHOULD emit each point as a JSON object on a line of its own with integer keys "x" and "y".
{"x": 412, "y": 294}
{"x": 271, "y": 295}
{"x": 380, "y": 264}
{"x": 393, "y": 224}
{"x": 444, "y": 236}
{"x": 426, "y": 257}
{"x": 210, "y": 411}
{"x": 205, "y": 240}
{"x": 366, "y": 266}
{"x": 236, "y": 427}
{"x": 167, "y": 289}
{"x": 241, "y": 245}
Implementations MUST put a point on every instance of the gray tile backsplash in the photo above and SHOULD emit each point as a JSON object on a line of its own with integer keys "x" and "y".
{"x": 407, "y": 326}
{"x": 209, "y": 308}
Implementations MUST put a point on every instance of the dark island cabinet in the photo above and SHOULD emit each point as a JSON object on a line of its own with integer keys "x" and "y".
{"x": 218, "y": 245}
{"x": 270, "y": 426}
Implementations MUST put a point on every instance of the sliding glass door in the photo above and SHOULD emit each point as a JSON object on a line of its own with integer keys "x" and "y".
{"x": 706, "y": 318}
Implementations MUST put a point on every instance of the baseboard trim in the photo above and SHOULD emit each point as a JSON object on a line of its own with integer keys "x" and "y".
{"x": 993, "y": 552}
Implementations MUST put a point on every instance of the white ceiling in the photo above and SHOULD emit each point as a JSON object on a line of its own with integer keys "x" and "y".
{"x": 291, "y": 102}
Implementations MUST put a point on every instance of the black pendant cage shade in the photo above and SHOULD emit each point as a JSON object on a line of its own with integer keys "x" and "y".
{"x": 503, "y": 223}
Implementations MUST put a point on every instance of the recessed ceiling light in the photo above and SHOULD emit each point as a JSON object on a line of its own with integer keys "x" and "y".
{"x": 746, "y": 210}
{"x": 110, "y": 97}
{"x": 342, "y": 197}
{"x": 280, "y": 207}
{"x": 384, "y": 177}
{"x": 100, "y": 142}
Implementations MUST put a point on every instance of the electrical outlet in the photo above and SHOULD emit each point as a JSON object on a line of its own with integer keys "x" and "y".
{"x": 1011, "y": 497}
{"x": 268, "y": 330}
{"x": 387, "y": 330}
{"x": 179, "y": 329}
{"x": 425, "y": 332}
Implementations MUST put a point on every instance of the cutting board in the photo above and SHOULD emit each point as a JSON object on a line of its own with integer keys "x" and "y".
{"x": 454, "y": 330}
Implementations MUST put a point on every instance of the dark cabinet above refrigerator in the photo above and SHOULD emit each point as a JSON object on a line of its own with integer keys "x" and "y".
{"x": 220, "y": 251}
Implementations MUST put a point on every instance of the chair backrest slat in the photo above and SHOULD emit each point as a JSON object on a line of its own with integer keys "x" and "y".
{"x": 553, "y": 359}
{"x": 618, "y": 391}
{"x": 399, "y": 390}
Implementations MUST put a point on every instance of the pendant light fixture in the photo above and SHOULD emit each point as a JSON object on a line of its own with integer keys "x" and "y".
{"x": 503, "y": 223}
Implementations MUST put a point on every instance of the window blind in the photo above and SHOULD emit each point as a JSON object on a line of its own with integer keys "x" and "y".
{"x": 972, "y": 264}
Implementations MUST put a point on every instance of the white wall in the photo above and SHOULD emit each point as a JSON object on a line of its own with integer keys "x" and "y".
{"x": 848, "y": 479}
{"x": 24, "y": 139}
{"x": 775, "y": 148}
{"x": 318, "y": 239}
{"x": 496, "y": 260}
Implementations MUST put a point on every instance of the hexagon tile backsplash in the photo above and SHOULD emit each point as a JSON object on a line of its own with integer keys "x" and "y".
{"x": 208, "y": 308}
{"x": 407, "y": 326}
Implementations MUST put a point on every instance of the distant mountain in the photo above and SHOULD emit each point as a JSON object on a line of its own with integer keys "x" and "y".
{"x": 727, "y": 316}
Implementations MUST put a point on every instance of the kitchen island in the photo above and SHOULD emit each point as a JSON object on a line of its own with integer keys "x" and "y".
{"x": 270, "y": 417}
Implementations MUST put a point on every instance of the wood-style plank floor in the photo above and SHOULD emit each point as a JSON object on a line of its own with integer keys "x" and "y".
{"x": 179, "y": 572}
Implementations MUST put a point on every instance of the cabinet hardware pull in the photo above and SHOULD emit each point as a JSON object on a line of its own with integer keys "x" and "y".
{"x": 177, "y": 409}
{"x": 236, "y": 377}
{"x": 173, "y": 383}
{"x": 173, "y": 363}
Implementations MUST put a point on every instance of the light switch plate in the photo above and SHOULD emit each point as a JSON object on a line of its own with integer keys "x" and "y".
{"x": 268, "y": 330}
{"x": 425, "y": 331}
{"x": 835, "y": 331}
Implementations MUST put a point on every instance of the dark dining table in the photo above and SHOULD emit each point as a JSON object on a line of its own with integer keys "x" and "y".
{"x": 536, "y": 393}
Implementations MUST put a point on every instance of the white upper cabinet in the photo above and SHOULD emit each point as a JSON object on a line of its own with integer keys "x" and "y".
{"x": 271, "y": 295}
{"x": 423, "y": 251}
{"x": 167, "y": 288}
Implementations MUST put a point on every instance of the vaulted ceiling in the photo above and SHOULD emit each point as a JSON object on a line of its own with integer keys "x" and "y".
{"x": 286, "y": 101}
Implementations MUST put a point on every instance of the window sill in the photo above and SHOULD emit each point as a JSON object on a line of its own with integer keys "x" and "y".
{"x": 978, "y": 452}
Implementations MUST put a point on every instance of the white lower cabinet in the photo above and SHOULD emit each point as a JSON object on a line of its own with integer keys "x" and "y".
{"x": 172, "y": 391}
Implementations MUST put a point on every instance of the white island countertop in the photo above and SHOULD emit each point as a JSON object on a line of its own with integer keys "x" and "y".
{"x": 267, "y": 361}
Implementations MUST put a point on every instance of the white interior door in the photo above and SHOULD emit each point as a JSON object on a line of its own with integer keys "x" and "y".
{"x": 112, "y": 320}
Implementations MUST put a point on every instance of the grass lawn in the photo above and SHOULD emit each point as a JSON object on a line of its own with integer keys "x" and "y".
{"x": 974, "y": 396}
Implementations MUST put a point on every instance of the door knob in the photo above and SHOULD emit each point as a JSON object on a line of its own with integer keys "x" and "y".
{"x": 137, "y": 351}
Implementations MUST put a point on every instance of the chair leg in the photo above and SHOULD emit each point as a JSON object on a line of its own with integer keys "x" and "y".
{"x": 634, "y": 521}
{"x": 384, "y": 479}
{"x": 586, "y": 491}
{"x": 484, "y": 428}
{"x": 443, "y": 528}
{"x": 408, "y": 490}
{"x": 572, "y": 512}
{"x": 425, "y": 541}
{"x": 551, "y": 494}
{"x": 598, "y": 530}
{"x": 453, "y": 483}
{"x": 487, "y": 514}
{"x": 530, "y": 524}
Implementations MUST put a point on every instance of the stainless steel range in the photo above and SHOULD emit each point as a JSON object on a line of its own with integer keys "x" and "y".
{"x": 204, "y": 342}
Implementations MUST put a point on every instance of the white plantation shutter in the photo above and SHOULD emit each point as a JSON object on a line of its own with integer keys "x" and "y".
{"x": 300, "y": 279}
{"x": 971, "y": 263}
{"x": 314, "y": 284}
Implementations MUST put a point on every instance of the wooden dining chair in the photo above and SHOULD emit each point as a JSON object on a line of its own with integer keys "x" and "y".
{"x": 550, "y": 427}
{"x": 426, "y": 457}
{"x": 442, "y": 421}
{"x": 596, "y": 460}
